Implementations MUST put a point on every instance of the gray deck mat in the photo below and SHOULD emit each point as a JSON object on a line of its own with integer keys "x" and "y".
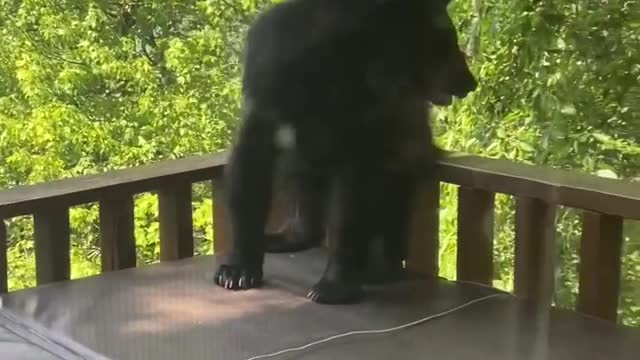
{"x": 22, "y": 339}
{"x": 173, "y": 311}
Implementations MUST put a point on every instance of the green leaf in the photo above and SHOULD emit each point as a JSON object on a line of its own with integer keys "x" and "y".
{"x": 525, "y": 147}
{"x": 606, "y": 173}
{"x": 568, "y": 109}
{"x": 601, "y": 137}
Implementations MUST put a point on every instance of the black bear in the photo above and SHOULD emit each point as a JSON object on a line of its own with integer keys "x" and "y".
{"x": 305, "y": 225}
{"x": 340, "y": 91}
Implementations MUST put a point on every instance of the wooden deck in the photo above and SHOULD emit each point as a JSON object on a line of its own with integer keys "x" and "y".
{"x": 173, "y": 311}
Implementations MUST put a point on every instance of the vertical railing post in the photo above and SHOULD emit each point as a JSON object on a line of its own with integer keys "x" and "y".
{"x": 117, "y": 232}
{"x": 176, "y": 220}
{"x": 52, "y": 244}
{"x": 600, "y": 265}
{"x": 4, "y": 238}
{"x": 424, "y": 234}
{"x": 535, "y": 251}
{"x": 475, "y": 235}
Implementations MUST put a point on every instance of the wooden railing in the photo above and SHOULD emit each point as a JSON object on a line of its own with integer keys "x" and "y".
{"x": 538, "y": 192}
{"x": 49, "y": 204}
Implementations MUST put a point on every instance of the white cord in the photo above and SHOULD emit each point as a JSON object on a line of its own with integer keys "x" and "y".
{"x": 366, "y": 332}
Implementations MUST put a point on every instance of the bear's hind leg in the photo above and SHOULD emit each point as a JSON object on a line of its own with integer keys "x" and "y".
{"x": 349, "y": 230}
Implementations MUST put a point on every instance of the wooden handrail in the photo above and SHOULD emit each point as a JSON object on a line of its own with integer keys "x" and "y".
{"x": 554, "y": 186}
{"x": 23, "y": 200}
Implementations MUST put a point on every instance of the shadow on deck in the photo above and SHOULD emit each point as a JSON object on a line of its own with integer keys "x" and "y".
{"x": 173, "y": 311}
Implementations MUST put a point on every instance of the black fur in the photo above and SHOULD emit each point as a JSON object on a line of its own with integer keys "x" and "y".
{"x": 353, "y": 80}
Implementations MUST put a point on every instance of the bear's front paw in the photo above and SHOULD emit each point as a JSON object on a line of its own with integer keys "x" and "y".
{"x": 238, "y": 277}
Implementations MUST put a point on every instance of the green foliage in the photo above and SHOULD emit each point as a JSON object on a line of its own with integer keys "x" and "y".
{"x": 560, "y": 86}
{"x": 89, "y": 86}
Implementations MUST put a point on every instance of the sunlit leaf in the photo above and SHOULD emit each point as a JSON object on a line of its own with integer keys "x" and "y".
{"x": 606, "y": 173}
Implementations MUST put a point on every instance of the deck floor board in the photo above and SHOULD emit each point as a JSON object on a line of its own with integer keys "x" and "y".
{"x": 174, "y": 311}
